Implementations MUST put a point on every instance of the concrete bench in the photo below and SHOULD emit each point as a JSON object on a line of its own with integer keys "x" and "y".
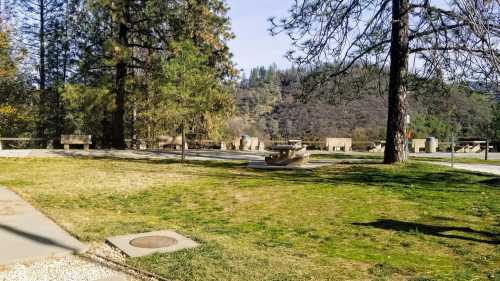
{"x": 418, "y": 145}
{"x": 339, "y": 144}
{"x": 469, "y": 148}
{"x": 68, "y": 140}
{"x": 171, "y": 142}
{"x": 254, "y": 143}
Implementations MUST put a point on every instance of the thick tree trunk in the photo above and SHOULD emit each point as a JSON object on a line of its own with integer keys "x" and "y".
{"x": 118, "y": 136}
{"x": 395, "y": 147}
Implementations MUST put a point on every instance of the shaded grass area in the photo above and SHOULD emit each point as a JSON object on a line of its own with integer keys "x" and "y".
{"x": 459, "y": 160}
{"x": 348, "y": 155}
{"x": 342, "y": 222}
{"x": 378, "y": 158}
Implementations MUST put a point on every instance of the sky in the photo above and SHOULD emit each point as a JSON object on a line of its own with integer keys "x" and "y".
{"x": 253, "y": 45}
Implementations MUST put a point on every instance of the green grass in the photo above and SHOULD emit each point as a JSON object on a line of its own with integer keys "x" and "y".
{"x": 343, "y": 222}
{"x": 378, "y": 157}
{"x": 350, "y": 155}
{"x": 460, "y": 160}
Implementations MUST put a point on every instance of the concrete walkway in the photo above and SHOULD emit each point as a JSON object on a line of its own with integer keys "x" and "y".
{"x": 15, "y": 153}
{"x": 28, "y": 235}
{"x": 198, "y": 155}
{"x": 482, "y": 168}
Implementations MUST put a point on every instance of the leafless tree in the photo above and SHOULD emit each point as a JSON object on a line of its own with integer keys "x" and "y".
{"x": 454, "y": 41}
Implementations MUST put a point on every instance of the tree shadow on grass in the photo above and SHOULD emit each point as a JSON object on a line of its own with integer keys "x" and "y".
{"x": 434, "y": 230}
{"x": 347, "y": 156}
{"x": 367, "y": 175}
{"x": 36, "y": 238}
{"x": 492, "y": 182}
{"x": 166, "y": 161}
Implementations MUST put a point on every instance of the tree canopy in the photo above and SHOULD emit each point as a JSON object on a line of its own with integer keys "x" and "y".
{"x": 98, "y": 63}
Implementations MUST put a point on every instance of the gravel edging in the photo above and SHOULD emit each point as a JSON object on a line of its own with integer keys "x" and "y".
{"x": 69, "y": 268}
{"x": 100, "y": 262}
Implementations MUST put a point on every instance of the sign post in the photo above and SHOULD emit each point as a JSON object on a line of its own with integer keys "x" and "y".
{"x": 452, "y": 149}
{"x": 487, "y": 149}
{"x": 406, "y": 140}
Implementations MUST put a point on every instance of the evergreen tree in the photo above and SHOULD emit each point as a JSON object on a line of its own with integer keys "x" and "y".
{"x": 45, "y": 31}
{"x": 188, "y": 93}
{"x": 141, "y": 30}
{"x": 15, "y": 110}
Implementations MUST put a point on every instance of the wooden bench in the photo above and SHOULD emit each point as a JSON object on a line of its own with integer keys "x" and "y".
{"x": 67, "y": 140}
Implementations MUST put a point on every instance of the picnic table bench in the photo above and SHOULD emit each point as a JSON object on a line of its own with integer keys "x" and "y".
{"x": 293, "y": 153}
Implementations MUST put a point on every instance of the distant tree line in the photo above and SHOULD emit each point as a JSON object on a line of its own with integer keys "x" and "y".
{"x": 281, "y": 104}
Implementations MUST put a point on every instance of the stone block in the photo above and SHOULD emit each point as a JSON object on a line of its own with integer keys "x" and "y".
{"x": 339, "y": 144}
{"x": 418, "y": 145}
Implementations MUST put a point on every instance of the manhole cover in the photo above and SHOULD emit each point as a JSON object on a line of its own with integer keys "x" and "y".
{"x": 152, "y": 242}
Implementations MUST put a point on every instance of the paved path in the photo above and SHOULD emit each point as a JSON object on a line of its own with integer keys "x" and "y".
{"x": 15, "y": 153}
{"x": 204, "y": 154}
{"x": 213, "y": 155}
{"x": 483, "y": 168}
{"x": 447, "y": 155}
{"x": 28, "y": 235}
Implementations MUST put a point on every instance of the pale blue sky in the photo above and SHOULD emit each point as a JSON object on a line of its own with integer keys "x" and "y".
{"x": 254, "y": 46}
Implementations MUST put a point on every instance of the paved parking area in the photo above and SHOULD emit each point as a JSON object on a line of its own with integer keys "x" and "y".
{"x": 482, "y": 168}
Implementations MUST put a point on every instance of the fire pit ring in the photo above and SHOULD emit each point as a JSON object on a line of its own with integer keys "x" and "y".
{"x": 153, "y": 242}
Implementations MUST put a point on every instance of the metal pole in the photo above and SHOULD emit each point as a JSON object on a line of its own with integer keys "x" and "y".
{"x": 183, "y": 142}
{"x": 487, "y": 149}
{"x": 452, "y": 149}
{"x": 406, "y": 140}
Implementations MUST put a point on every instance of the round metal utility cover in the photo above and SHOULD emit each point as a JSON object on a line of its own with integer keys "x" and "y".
{"x": 152, "y": 242}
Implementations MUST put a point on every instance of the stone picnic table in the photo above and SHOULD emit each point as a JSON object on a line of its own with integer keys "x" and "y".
{"x": 293, "y": 153}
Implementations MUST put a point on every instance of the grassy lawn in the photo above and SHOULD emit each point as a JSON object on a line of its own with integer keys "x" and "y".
{"x": 378, "y": 157}
{"x": 343, "y": 222}
{"x": 459, "y": 160}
